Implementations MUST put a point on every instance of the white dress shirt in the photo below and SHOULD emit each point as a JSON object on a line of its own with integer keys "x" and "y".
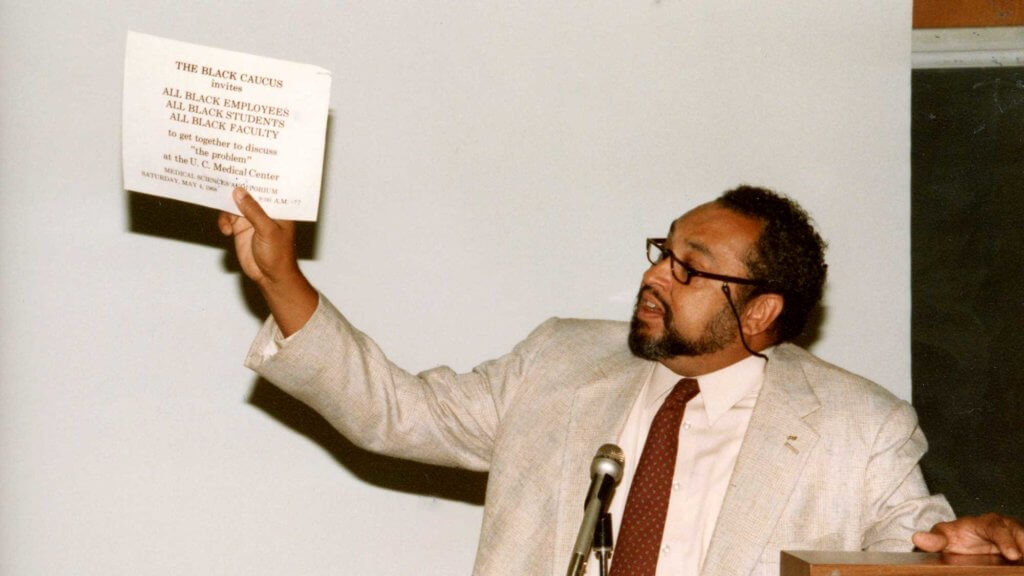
{"x": 709, "y": 442}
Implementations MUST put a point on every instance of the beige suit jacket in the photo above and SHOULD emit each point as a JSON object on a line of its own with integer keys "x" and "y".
{"x": 829, "y": 461}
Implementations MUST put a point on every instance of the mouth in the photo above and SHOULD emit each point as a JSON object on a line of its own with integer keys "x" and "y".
{"x": 649, "y": 306}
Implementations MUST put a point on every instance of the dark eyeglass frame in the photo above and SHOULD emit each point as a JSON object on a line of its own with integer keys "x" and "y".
{"x": 690, "y": 271}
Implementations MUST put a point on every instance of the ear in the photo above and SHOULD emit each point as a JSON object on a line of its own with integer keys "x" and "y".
{"x": 760, "y": 313}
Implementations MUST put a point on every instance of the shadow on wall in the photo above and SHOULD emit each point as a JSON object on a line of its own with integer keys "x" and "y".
{"x": 383, "y": 471}
{"x": 185, "y": 222}
{"x": 176, "y": 220}
{"x": 812, "y": 331}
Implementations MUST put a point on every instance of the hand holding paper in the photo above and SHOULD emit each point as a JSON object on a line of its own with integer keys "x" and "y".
{"x": 266, "y": 252}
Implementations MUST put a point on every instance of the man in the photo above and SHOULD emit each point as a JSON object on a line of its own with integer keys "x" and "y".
{"x": 778, "y": 449}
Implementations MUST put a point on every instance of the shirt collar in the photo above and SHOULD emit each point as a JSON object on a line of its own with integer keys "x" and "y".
{"x": 719, "y": 390}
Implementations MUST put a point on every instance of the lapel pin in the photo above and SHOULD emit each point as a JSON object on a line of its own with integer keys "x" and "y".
{"x": 790, "y": 446}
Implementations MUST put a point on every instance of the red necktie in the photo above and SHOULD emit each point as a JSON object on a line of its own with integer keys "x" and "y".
{"x": 643, "y": 520}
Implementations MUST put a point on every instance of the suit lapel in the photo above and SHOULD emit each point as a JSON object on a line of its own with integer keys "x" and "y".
{"x": 599, "y": 411}
{"x": 774, "y": 452}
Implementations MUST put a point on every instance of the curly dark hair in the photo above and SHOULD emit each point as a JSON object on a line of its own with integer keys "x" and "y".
{"x": 789, "y": 257}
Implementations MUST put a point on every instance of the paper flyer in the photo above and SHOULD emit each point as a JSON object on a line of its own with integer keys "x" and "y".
{"x": 199, "y": 121}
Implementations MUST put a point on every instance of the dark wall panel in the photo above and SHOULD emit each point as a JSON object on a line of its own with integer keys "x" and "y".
{"x": 968, "y": 283}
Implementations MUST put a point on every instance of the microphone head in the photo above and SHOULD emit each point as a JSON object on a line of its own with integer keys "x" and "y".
{"x": 608, "y": 461}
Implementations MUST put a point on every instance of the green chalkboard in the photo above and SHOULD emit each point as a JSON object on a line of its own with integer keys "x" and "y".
{"x": 967, "y": 230}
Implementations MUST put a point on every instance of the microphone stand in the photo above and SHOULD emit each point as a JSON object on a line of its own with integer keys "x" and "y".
{"x": 585, "y": 538}
{"x": 603, "y": 542}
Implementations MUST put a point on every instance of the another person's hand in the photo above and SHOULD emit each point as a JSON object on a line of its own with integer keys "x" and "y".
{"x": 986, "y": 534}
{"x": 266, "y": 253}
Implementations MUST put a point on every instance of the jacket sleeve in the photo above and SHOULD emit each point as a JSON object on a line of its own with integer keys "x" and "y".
{"x": 437, "y": 416}
{"x": 896, "y": 500}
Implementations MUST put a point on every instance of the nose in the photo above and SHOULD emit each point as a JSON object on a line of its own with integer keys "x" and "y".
{"x": 659, "y": 274}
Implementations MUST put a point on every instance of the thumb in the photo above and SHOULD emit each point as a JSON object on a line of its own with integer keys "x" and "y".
{"x": 929, "y": 541}
{"x": 252, "y": 211}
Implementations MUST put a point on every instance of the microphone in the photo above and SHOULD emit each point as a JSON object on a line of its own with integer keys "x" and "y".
{"x": 605, "y": 473}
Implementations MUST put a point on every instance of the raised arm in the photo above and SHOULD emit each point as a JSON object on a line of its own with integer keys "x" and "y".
{"x": 266, "y": 252}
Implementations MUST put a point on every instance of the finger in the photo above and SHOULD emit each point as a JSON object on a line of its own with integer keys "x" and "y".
{"x": 232, "y": 224}
{"x": 929, "y": 541}
{"x": 1018, "y": 536}
{"x": 224, "y": 222}
{"x": 253, "y": 212}
{"x": 1002, "y": 533}
{"x": 240, "y": 224}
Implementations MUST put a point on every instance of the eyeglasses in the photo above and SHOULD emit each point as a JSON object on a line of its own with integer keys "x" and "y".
{"x": 682, "y": 272}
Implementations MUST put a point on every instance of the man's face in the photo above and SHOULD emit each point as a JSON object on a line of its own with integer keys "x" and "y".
{"x": 672, "y": 319}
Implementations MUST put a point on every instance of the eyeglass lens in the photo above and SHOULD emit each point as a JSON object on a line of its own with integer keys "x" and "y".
{"x": 656, "y": 253}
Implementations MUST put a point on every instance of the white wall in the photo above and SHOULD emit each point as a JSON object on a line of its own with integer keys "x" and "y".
{"x": 489, "y": 165}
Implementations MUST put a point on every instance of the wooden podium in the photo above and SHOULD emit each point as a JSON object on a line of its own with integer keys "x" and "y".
{"x": 807, "y": 563}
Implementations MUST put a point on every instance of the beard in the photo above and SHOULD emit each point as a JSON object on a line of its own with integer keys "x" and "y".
{"x": 718, "y": 333}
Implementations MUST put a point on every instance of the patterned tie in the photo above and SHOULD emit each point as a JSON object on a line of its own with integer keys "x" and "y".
{"x": 643, "y": 520}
